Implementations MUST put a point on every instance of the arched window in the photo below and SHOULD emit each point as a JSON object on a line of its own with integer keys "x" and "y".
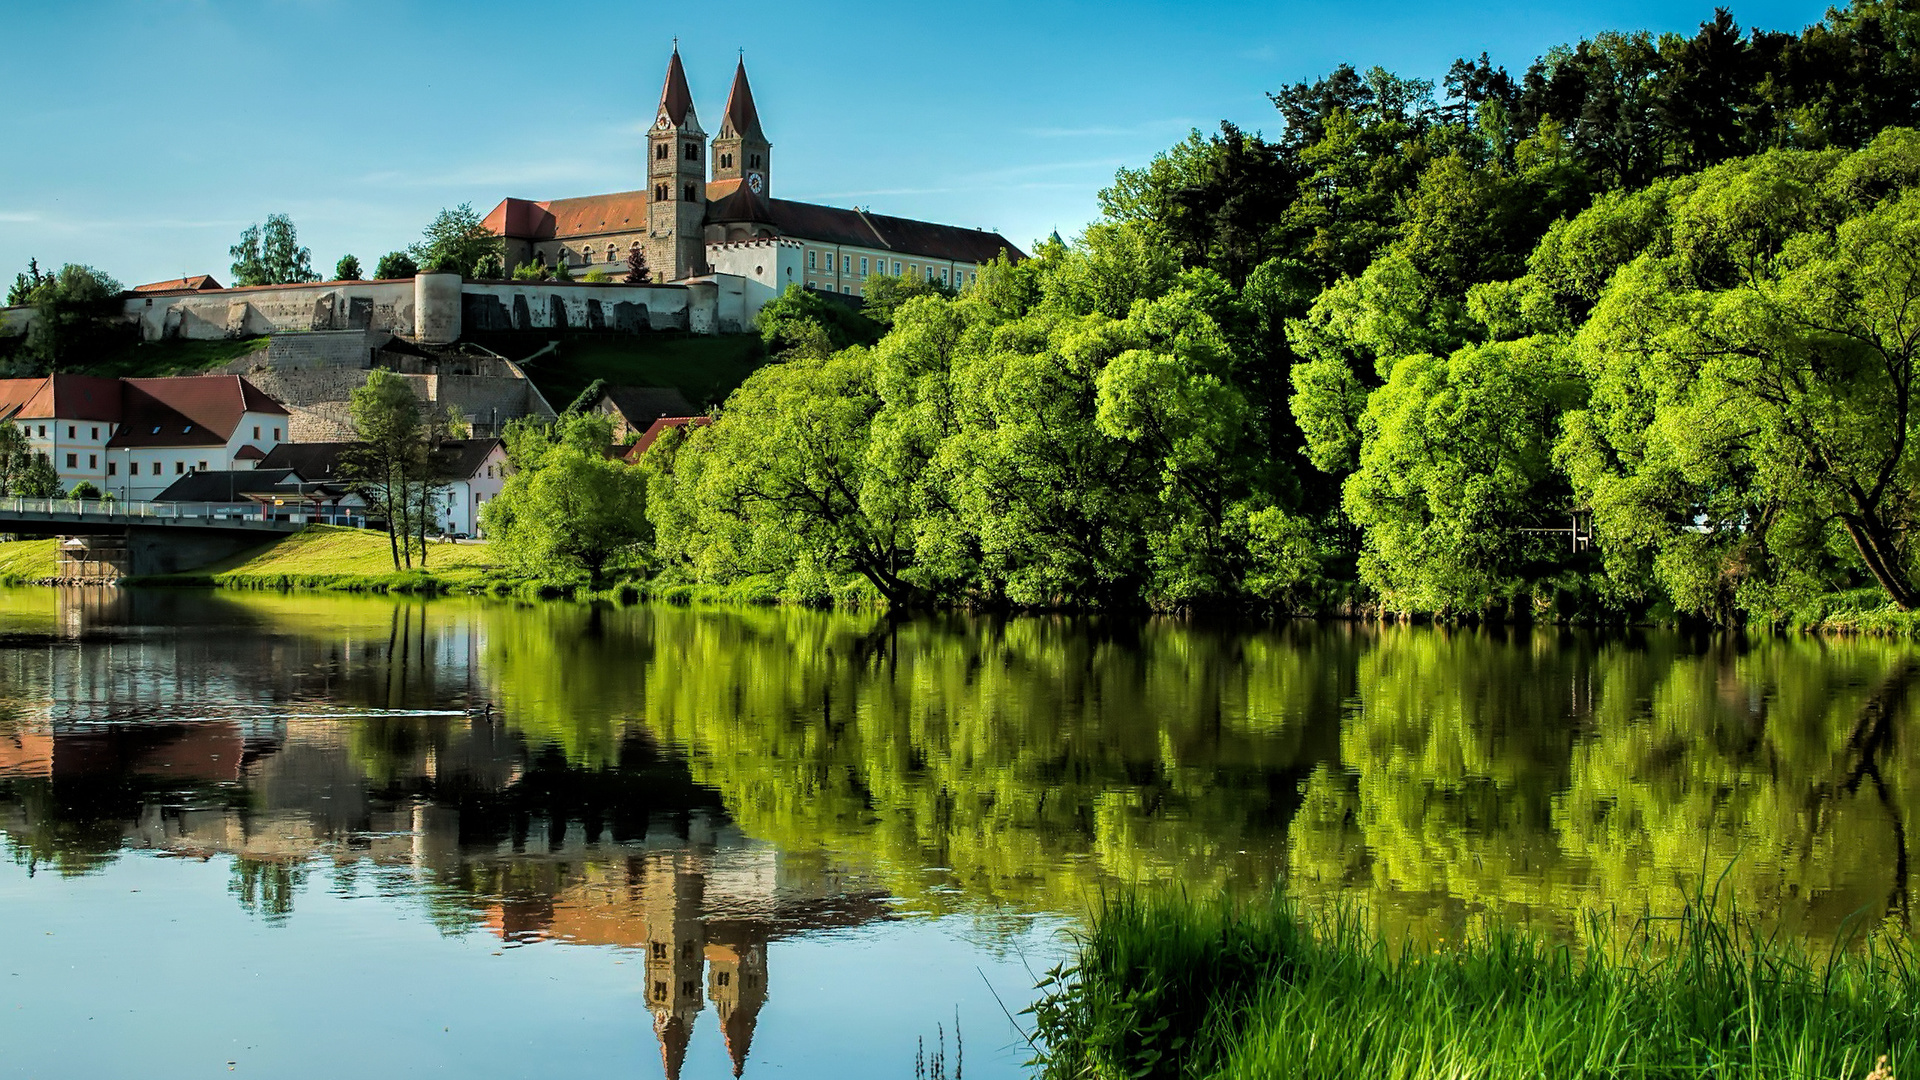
{"x": 659, "y": 193}
{"x": 693, "y": 152}
{"x": 609, "y": 252}
{"x": 692, "y": 196}
{"x": 660, "y": 152}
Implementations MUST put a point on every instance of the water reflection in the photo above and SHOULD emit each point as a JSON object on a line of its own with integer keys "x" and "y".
{"x": 557, "y": 770}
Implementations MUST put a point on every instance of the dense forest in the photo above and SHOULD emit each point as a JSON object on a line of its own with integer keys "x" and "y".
{"x": 1631, "y": 333}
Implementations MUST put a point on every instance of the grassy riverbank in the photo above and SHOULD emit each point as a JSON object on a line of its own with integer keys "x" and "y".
{"x": 1173, "y": 988}
{"x": 28, "y": 560}
{"x": 327, "y": 557}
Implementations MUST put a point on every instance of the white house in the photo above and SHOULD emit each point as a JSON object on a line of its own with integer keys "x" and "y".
{"x": 475, "y": 471}
{"x": 133, "y": 438}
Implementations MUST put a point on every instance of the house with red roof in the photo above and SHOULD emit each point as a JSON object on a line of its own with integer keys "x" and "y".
{"x": 133, "y": 438}
{"x": 710, "y": 209}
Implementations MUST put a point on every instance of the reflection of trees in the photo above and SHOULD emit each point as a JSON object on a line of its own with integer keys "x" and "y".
{"x": 266, "y": 887}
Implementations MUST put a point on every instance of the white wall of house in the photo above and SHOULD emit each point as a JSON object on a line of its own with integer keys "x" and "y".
{"x": 77, "y": 448}
{"x": 141, "y": 472}
{"x": 465, "y": 497}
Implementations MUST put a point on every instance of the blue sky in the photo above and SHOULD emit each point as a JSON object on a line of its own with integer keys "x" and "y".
{"x": 141, "y": 136}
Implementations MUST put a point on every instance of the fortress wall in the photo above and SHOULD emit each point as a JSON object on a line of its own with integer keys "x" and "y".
{"x": 276, "y": 309}
{"x": 577, "y": 305}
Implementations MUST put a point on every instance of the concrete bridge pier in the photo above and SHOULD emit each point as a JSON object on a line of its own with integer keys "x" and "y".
{"x": 139, "y": 551}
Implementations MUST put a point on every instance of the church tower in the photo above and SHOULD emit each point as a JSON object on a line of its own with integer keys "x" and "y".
{"x": 677, "y": 177}
{"x": 741, "y": 151}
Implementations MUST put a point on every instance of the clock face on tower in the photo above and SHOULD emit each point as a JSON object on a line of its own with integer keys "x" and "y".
{"x": 754, "y": 182}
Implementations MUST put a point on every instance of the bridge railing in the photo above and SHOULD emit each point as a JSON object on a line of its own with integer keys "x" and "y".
{"x": 130, "y": 510}
{"x": 112, "y": 510}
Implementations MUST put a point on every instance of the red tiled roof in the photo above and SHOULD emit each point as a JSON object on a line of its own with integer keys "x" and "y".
{"x": 61, "y": 397}
{"x": 675, "y": 98}
{"x": 555, "y": 219}
{"x": 196, "y": 283}
{"x": 740, "y": 111}
{"x": 249, "y": 452}
{"x": 189, "y": 410}
{"x": 659, "y": 427}
{"x": 834, "y": 225}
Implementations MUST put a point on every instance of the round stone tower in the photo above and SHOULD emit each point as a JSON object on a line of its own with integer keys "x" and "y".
{"x": 436, "y": 308}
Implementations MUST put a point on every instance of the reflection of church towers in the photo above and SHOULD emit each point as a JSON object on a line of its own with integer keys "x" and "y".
{"x": 737, "y": 983}
{"x": 671, "y": 894}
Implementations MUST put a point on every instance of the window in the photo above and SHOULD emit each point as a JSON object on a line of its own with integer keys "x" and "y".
{"x": 753, "y": 161}
{"x": 929, "y": 273}
{"x": 659, "y": 193}
{"x": 156, "y": 468}
{"x": 93, "y": 461}
{"x": 256, "y": 433}
{"x": 43, "y": 431}
{"x": 659, "y": 991}
{"x": 846, "y": 288}
{"x": 692, "y": 195}
{"x": 943, "y": 275}
{"x": 202, "y": 467}
{"x": 609, "y": 252}
{"x": 73, "y": 461}
{"x": 912, "y": 268}
{"x": 179, "y": 468}
{"x": 688, "y": 988}
{"x": 659, "y": 950}
{"x": 896, "y": 268}
{"x": 726, "y": 161}
{"x": 113, "y": 468}
{"x": 846, "y": 264}
{"x": 812, "y": 264}
{"x": 95, "y": 435}
{"x": 69, "y": 431}
{"x": 276, "y": 434}
{"x": 693, "y": 151}
{"x": 660, "y": 152}
{"x": 721, "y": 978}
{"x": 863, "y": 266}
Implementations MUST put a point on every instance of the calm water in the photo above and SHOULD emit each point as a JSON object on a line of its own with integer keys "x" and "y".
{"x": 317, "y": 836}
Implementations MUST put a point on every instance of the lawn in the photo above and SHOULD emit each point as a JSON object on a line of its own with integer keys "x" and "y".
{"x": 28, "y": 560}
{"x": 327, "y": 557}
{"x": 148, "y": 359}
{"x": 705, "y": 367}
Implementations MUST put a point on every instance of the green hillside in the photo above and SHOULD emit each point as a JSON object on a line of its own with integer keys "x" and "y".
{"x": 704, "y": 367}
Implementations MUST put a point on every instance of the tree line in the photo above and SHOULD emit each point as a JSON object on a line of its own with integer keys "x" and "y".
{"x": 1654, "y": 293}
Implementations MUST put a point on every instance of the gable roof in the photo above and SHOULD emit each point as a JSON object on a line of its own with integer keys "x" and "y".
{"x": 188, "y": 410}
{"x": 675, "y": 99}
{"x": 836, "y": 225}
{"x": 642, "y": 405}
{"x": 61, "y": 397}
{"x": 741, "y": 114}
{"x": 461, "y": 459}
{"x": 195, "y": 283}
{"x": 659, "y": 428}
{"x": 228, "y": 485}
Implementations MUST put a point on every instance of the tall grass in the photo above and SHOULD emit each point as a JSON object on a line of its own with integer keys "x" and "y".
{"x": 1175, "y": 988}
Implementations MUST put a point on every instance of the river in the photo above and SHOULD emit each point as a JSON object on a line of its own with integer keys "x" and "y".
{"x": 316, "y": 836}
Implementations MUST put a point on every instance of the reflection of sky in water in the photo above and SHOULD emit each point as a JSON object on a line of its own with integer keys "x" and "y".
{"x": 151, "y": 969}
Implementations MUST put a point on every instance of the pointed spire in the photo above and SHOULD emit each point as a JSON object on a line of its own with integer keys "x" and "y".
{"x": 740, "y": 111}
{"x": 675, "y": 99}
{"x": 675, "y": 1033}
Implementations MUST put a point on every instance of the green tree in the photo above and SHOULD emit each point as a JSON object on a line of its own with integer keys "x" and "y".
{"x": 79, "y": 312}
{"x": 882, "y": 294}
{"x": 39, "y": 480}
{"x": 20, "y": 293}
{"x": 568, "y": 508}
{"x": 395, "y": 265}
{"x": 271, "y": 254}
{"x": 16, "y": 458}
{"x": 637, "y": 272}
{"x": 389, "y": 457}
{"x": 347, "y": 269}
{"x": 456, "y": 240}
{"x": 1752, "y": 432}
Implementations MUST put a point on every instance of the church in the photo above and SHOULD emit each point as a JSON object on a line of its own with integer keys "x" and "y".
{"x": 708, "y": 208}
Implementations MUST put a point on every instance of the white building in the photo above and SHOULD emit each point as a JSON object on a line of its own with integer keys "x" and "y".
{"x": 132, "y": 438}
{"x": 475, "y": 471}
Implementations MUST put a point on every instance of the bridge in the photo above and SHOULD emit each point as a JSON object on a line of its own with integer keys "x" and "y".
{"x": 105, "y": 539}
